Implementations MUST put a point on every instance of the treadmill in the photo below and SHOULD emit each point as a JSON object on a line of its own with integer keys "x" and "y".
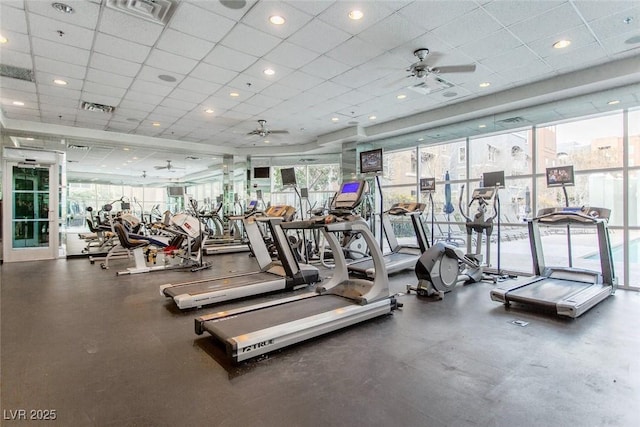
{"x": 342, "y": 301}
{"x": 568, "y": 291}
{"x": 401, "y": 257}
{"x": 220, "y": 245}
{"x": 284, "y": 274}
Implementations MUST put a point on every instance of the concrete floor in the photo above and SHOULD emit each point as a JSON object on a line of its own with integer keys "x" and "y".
{"x": 103, "y": 350}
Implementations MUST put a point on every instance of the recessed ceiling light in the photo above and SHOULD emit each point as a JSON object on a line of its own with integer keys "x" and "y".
{"x": 334, "y": 119}
{"x": 401, "y": 96}
{"x": 234, "y": 94}
{"x": 561, "y": 44}
{"x": 269, "y": 72}
{"x": 134, "y": 158}
{"x": 208, "y": 111}
{"x": 60, "y": 82}
{"x": 484, "y": 84}
{"x": 420, "y": 139}
{"x": 18, "y": 103}
{"x": 167, "y": 78}
{"x": 103, "y": 166}
{"x": 356, "y": 14}
{"x": 266, "y": 141}
{"x": 628, "y": 20}
{"x": 613, "y": 102}
{"x": 29, "y": 139}
{"x": 372, "y": 117}
{"x": 155, "y": 124}
{"x": 126, "y": 148}
{"x": 276, "y": 20}
{"x": 3, "y": 39}
{"x": 482, "y": 126}
{"x": 61, "y": 7}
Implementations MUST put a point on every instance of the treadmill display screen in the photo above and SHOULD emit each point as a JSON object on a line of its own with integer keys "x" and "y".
{"x": 252, "y": 204}
{"x": 559, "y": 176}
{"x": 350, "y": 187}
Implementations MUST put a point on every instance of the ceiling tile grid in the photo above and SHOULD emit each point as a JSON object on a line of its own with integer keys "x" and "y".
{"x": 325, "y": 63}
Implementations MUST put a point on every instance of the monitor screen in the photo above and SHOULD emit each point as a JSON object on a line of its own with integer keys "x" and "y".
{"x": 262, "y": 172}
{"x": 259, "y": 194}
{"x": 427, "y": 184}
{"x": 288, "y": 176}
{"x": 371, "y": 161}
{"x": 304, "y": 193}
{"x": 493, "y": 179}
{"x": 560, "y": 175}
{"x": 252, "y": 204}
{"x": 350, "y": 187}
{"x": 175, "y": 191}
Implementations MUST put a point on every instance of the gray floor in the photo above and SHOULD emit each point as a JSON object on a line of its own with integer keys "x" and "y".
{"x": 103, "y": 350}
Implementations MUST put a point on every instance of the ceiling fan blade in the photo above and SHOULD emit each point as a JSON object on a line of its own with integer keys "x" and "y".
{"x": 254, "y": 132}
{"x": 278, "y": 131}
{"x": 470, "y": 68}
{"x": 159, "y": 167}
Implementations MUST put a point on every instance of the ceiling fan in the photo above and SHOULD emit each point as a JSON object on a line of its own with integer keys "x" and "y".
{"x": 144, "y": 174}
{"x": 168, "y": 166}
{"x": 263, "y": 131}
{"x": 421, "y": 69}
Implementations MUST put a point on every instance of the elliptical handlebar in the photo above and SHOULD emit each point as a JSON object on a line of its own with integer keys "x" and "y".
{"x": 462, "y": 211}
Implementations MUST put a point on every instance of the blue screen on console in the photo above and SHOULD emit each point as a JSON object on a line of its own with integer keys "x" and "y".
{"x": 350, "y": 187}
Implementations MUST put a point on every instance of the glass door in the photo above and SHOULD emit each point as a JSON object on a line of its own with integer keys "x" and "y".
{"x": 33, "y": 225}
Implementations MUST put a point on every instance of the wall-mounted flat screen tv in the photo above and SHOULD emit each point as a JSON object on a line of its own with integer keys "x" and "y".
{"x": 371, "y": 161}
{"x": 261, "y": 172}
{"x": 175, "y": 191}
{"x": 427, "y": 184}
{"x": 493, "y": 179}
{"x": 558, "y": 176}
{"x": 288, "y": 176}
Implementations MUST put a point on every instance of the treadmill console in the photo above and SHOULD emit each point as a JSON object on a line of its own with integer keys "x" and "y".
{"x": 485, "y": 193}
{"x": 585, "y": 214}
{"x": 286, "y": 212}
{"x": 349, "y": 196}
{"x": 405, "y": 208}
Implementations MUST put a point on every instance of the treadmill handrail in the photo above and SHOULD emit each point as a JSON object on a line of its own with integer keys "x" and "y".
{"x": 568, "y": 217}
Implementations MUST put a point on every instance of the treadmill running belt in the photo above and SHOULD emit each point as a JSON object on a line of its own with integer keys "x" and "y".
{"x": 274, "y": 316}
{"x": 548, "y": 290}
{"x": 222, "y": 283}
{"x": 389, "y": 259}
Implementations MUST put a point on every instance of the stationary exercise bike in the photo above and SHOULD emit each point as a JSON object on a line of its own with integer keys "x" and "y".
{"x": 443, "y": 266}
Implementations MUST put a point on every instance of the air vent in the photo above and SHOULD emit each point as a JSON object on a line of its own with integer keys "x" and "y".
{"x": 511, "y": 120}
{"x": 192, "y": 158}
{"x": 16, "y": 73}
{"x": 158, "y": 11}
{"x": 92, "y": 106}
{"x": 430, "y": 85}
{"x": 78, "y": 147}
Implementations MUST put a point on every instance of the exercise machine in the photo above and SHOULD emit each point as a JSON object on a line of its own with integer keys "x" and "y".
{"x": 443, "y": 266}
{"x": 568, "y": 291}
{"x": 401, "y": 257}
{"x": 285, "y": 274}
{"x": 340, "y": 302}
{"x": 217, "y": 246}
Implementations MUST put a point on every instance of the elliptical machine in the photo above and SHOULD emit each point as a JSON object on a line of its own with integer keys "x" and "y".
{"x": 443, "y": 266}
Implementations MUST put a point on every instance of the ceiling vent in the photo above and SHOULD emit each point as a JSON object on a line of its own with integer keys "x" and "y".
{"x": 78, "y": 147}
{"x": 512, "y": 120}
{"x": 16, "y": 73}
{"x": 430, "y": 85}
{"x": 92, "y": 106}
{"x": 158, "y": 11}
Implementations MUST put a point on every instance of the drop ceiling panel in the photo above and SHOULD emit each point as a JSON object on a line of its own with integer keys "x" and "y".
{"x": 492, "y": 45}
{"x": 256, "y": 72}
{"x": 49, "y": 29}
{"x": 264, "y": 101}
{"x": 620, "y": 46}
{"x": 9, "y": 95}
{"x": 229, "y": 58}
{"x": 580, "y": 37}
{"x": 177, "y": 104}
{"x": 614, "y": 25}
{"x": 572, "y": 60}
{"x": 281, "y": 90}
{"x": 152, "y": 75}
{"x": 85, "y": 13}
{"x": 17, "y": 59}
{"x": 250, "y": 41}
{"x": 18, "y": 42}
{"x": 355, "y": 52}
{"x": 121, "y": 48}
{"x": 594, "y": 10}
{"x": 129, "y": 27}
{"x": 170, "y": 62}
{"x": 179, "y": 43}
{"x": 62, "y": 102}
{"x": 143, "y": 97}
{"x": 514, "y": 58}
{"x": 514, "y": 11}
{"x": 303, "y": 81}
{"x": 188, "y": 95}
{"x": 430, "y": 15}
{"x": 115, "y": 65}
{"x": 292, "y": 55}
{"x": 325, "y": 67}
{"x": 337, "y": 15}
{"x": 12, "y": 18}
{"x": 128, "y": 103}
{"x": 150, "y": 88}
{"x": 108, "y": 78}
{"x": 59, "y": 68}
{"x": 295, "y": 18}
{"x": 391, "y": 32}
{"x": 213, "y": 74}
{"x": 59, "y": 91}
{"x": 308, "y": 38}
{"x": 60, "y": 52}
{"x": 200, "y": 23}
{"x": 330, "y": 90}
{"x": 477, "y": 24}
{"x": 106, "y": 90}
{"x": 546, "y": 24}
{"x": 168, "y": 112}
